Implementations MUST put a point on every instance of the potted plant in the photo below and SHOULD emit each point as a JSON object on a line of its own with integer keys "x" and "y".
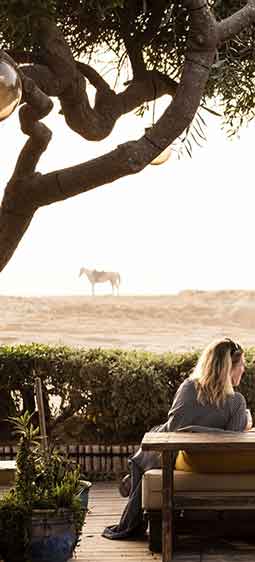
{"x": 41, "y": 518}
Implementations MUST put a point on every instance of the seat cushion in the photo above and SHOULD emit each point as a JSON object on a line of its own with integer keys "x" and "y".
{"x": 217, "y": 462}
{"x": 193, "y": 482}
{"x": 7, "y": 472}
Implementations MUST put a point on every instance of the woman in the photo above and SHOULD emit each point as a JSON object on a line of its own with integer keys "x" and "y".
{"x": 205, "y": 401}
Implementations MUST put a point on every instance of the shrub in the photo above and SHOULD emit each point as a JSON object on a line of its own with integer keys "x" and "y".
{"x": 97, "y": 395}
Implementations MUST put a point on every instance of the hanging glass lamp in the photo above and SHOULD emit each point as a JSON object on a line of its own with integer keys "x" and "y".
{"x": 10, "y": 88}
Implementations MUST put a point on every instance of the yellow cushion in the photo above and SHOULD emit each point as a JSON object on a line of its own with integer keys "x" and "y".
{"x": 216, "y": 462}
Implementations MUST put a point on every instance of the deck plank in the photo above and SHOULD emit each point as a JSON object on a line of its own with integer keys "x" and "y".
{"x": 106, "y": 506}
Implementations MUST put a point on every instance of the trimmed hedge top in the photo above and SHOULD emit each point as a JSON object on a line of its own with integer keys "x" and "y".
{"x": 97, "y": 395}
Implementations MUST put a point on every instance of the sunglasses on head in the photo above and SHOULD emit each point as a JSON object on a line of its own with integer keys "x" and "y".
{"x": 234, "y": 347}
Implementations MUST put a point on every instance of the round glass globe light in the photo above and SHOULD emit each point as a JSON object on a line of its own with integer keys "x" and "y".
{"x": 162, "y": 157}
{"x": 10, "y": 89}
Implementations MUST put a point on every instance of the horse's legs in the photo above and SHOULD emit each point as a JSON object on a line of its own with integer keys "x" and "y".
{"x": 116, "y": 286}
{"x": 93, "y": 289}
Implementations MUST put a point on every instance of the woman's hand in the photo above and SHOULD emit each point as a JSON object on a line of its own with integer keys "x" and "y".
{"x": 249, "y": 424}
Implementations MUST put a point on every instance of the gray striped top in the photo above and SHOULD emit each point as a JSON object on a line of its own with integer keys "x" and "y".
{"x": 186, "y": 411}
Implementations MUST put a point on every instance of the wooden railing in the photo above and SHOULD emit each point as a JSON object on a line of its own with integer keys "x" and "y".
{"x": 98, "y": 460}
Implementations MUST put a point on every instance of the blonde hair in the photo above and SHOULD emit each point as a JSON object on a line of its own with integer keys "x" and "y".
{"x": 212, "y": 374}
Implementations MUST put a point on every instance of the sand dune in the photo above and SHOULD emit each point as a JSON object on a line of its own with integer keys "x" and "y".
{"x": 180, "y": 322}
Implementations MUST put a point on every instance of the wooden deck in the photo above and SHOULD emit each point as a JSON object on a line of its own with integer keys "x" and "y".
{"x": 106, "y": 506}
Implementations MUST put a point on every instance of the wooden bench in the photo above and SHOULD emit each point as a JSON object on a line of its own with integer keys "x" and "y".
{"x": 204, "y": 505}
{"x": 176, "y": 502}
{"x": 7, "y": 476}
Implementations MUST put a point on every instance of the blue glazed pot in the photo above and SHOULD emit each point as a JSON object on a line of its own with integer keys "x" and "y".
{"x": 53, "y": 535}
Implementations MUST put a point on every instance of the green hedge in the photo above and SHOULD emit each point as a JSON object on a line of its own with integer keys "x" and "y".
{"x": 97, "y": 395}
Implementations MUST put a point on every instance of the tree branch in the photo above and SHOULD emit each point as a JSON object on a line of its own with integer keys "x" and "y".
{"x": 135, "y": 40}
{"x": 24, "y": 195}
{"x": 17, "y": 207}
{"x": 234, "y": 24}
{"x": 97, "y": 123}
{"x": 27, "y": 190}
{"x": 61, "y": 76}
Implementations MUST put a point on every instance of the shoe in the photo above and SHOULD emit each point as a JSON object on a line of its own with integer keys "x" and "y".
{"x": 124, "y": 486}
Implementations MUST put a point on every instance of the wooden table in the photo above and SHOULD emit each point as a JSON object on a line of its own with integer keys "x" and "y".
{"x": 170, "y": 443}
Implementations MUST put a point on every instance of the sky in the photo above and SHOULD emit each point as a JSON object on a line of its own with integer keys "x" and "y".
{"x": 186, "y": 224}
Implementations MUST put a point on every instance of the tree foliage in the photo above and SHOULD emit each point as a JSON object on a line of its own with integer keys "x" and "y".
{"x": 158, "y": 30}
{"x": 190, "y": 50}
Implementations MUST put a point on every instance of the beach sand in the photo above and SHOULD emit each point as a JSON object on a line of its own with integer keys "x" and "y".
{"x": 186, "y": 321}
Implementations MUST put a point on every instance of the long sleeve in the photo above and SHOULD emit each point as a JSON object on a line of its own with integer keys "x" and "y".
{"x": 238, "y": 415}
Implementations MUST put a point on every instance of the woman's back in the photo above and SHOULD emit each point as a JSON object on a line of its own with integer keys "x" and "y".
{"x": 187, "y": 410}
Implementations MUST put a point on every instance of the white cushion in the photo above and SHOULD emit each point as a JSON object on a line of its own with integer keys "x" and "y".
{"x": 7, "y": 472}
{"x": 193, "y": 482}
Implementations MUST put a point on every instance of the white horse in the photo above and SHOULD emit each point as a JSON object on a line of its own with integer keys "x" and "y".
{"x": 95, "y": 276}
